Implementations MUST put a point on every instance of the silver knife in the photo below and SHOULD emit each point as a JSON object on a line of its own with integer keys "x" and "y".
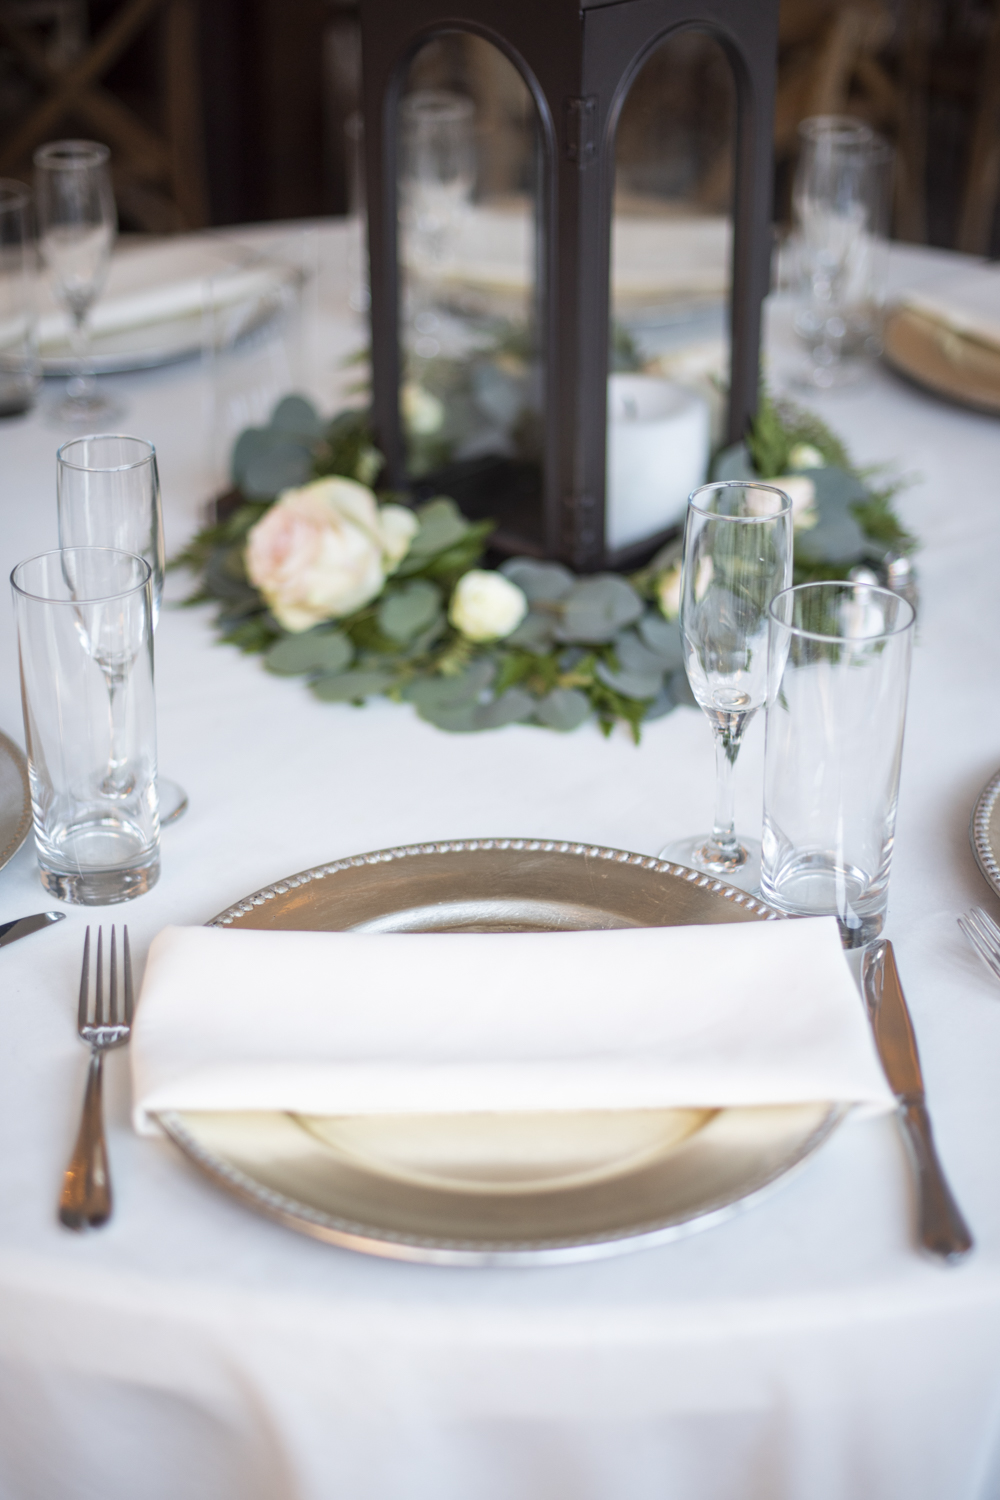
{"x": 11, "y": 931}
{"x": 943, "y": 1231}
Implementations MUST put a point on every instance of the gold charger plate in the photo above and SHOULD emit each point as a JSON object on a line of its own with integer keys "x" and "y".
{"x": 15, "y": 800}
{"x": 943, "y": 361}
{"x": 499, "y": 1189}
{"x": 984, "y": 832}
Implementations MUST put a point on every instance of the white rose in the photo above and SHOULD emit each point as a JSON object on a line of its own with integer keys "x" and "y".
{"x": 668, "y": 592}
{"x": 399, "y": 527}
{"x": 486, "y": 606}
{"x": 423, "y": 413}
{"x": 805, "y": 456}
{"x": 322, "y": 551}
{"x": 802, "y": 493}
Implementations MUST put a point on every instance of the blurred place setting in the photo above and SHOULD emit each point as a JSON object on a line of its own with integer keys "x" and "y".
{"x": 499, "y": 783}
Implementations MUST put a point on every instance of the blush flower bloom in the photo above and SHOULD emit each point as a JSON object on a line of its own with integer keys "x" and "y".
{"x": 324, "y": 550}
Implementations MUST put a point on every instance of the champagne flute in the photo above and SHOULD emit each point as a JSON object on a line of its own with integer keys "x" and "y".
{"x": 737, "y": 556}
{"x": 77, "y": 224}
{"x": 108, "y": 495}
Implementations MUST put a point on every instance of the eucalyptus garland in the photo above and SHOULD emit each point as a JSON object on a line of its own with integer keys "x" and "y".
{"x": 420, "y": 621}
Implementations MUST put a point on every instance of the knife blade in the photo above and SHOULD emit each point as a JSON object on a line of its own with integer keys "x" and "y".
{"x": 21, "y": 926}
{"x": 943, "y": 1230}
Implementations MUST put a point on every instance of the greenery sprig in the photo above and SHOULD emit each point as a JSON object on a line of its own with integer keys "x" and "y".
{"x": 599, "y": 647}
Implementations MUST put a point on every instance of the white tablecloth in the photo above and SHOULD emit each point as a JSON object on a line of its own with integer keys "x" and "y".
{"x": 802, "y": 1351}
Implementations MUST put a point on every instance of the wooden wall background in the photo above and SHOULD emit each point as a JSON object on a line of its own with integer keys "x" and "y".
{"x": 226, "y": 111}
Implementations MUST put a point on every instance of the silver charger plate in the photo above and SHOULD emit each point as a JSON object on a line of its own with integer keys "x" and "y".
{"x": 15, "y": 800}
{"x": 984, "y": 832}
{"x": 492, "y": 1188}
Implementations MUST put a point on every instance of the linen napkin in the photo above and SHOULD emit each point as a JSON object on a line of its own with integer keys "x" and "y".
{"x": 156, "y": 284}
{"x": 354, "y": 1023}
{"x": 968, "y": 304}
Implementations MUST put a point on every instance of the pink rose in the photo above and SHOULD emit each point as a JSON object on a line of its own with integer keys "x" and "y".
{"x": 324, "y": 550}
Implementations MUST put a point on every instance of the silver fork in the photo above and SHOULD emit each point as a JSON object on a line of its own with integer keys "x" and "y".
{"x": 984, "y": 935}
{"x": 85, "y": 1201}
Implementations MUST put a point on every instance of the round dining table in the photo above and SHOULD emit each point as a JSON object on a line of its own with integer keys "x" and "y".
{"x": 804, "y": 1349}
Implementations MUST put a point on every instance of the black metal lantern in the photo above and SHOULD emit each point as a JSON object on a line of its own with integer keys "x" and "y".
{"x": 578, "y": 60}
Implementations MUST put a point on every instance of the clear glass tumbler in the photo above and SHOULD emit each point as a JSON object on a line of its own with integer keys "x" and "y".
{"x": 841, "y": 203}
{"x": 18, "y": 354}
{"x": 838, "y": 673}
{"x": 85, "y": 640}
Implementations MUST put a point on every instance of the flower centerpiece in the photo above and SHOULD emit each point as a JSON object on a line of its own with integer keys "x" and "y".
{"x": 363, "y": 596}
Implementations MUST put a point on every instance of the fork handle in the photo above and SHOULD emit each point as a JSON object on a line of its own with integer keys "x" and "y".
{"x": 85, "y": 1201}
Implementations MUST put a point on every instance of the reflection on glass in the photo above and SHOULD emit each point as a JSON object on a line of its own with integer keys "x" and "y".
{"x": 471, "y": 396}
{"x": 671, "y": 275}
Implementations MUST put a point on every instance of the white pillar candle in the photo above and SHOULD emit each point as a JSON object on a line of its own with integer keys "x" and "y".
{"x": 658, "y": 450}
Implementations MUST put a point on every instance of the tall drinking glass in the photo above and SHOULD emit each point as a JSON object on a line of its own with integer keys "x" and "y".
{"x": 737, "y": 556}
{"x": 838, "y": 672}
{"x": 108, "y": 495}
{"x": 18, "y": 355}
{"x": 841, "y": 203}
{"x": 77, "y": 224}
{"x": 85, "y": 642}
{"x": 439, "y": 167}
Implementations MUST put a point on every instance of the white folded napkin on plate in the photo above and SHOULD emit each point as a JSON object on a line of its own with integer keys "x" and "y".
{"x": 162, "y": 283}
{"x": 332, "y": 1023}
{"x": 968, "y": 303}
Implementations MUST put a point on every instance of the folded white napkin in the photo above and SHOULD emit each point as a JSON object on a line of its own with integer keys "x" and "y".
{"x": 968, "y": 303}
{"x": 162, "y": 283}
{"x": 353, "y": 1023}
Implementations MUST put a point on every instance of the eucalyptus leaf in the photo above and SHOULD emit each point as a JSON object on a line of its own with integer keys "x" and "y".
{"x": 595, "y": 609}
{"x": 629, "y": 684}
{"x": 546, "y": 582}
{"x": 680, "y": 690}
{"x": 283, "y": 464}
{"x": 563, "y": 709}
{"x": 314, "y": 651}
{"x": 535, "y": 633}
{"x": 251, "y": 442}
{"x": 635, "y": 657}
{"x": 296, "y": 415}
{"x": 837, "y": 537}
{"x": 225, "y": 578}
{"x": 441, "y": 525}
{"x": 664, "y": 638}
{"x": 456, "y": 718}
{"x": 409, "y": 609}
{"x": 664, "y": 703}
{"x": 352, "y": 687}
{"x": 451, "y": 692}
{"x": 511, "y": 707}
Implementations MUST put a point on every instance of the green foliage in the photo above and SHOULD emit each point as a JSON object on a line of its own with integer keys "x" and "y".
{"x": 594, "y": 647}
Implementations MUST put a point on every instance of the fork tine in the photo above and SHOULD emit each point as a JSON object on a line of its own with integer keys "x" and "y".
{"x": 99, "y": 996}
{"x": 988, "y": 957}
{"x": 113, "y": 983}
{"x": 988, "y": 924}
{"x": 128, "y": 979}
{"x": 81, "y": 1015}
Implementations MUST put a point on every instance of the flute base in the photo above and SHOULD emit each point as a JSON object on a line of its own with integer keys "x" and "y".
{"x": 701, "y": 854}
{"x": 84, "y": 405}
{"x": 173, "y": 800}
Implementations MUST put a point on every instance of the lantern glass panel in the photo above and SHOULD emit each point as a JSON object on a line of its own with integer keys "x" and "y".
{"x": 469, "y": 176}
{"x": 671, "y": 274}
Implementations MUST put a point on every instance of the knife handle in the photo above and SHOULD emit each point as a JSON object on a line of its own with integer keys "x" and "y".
{"x": 943, "y": 1231}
